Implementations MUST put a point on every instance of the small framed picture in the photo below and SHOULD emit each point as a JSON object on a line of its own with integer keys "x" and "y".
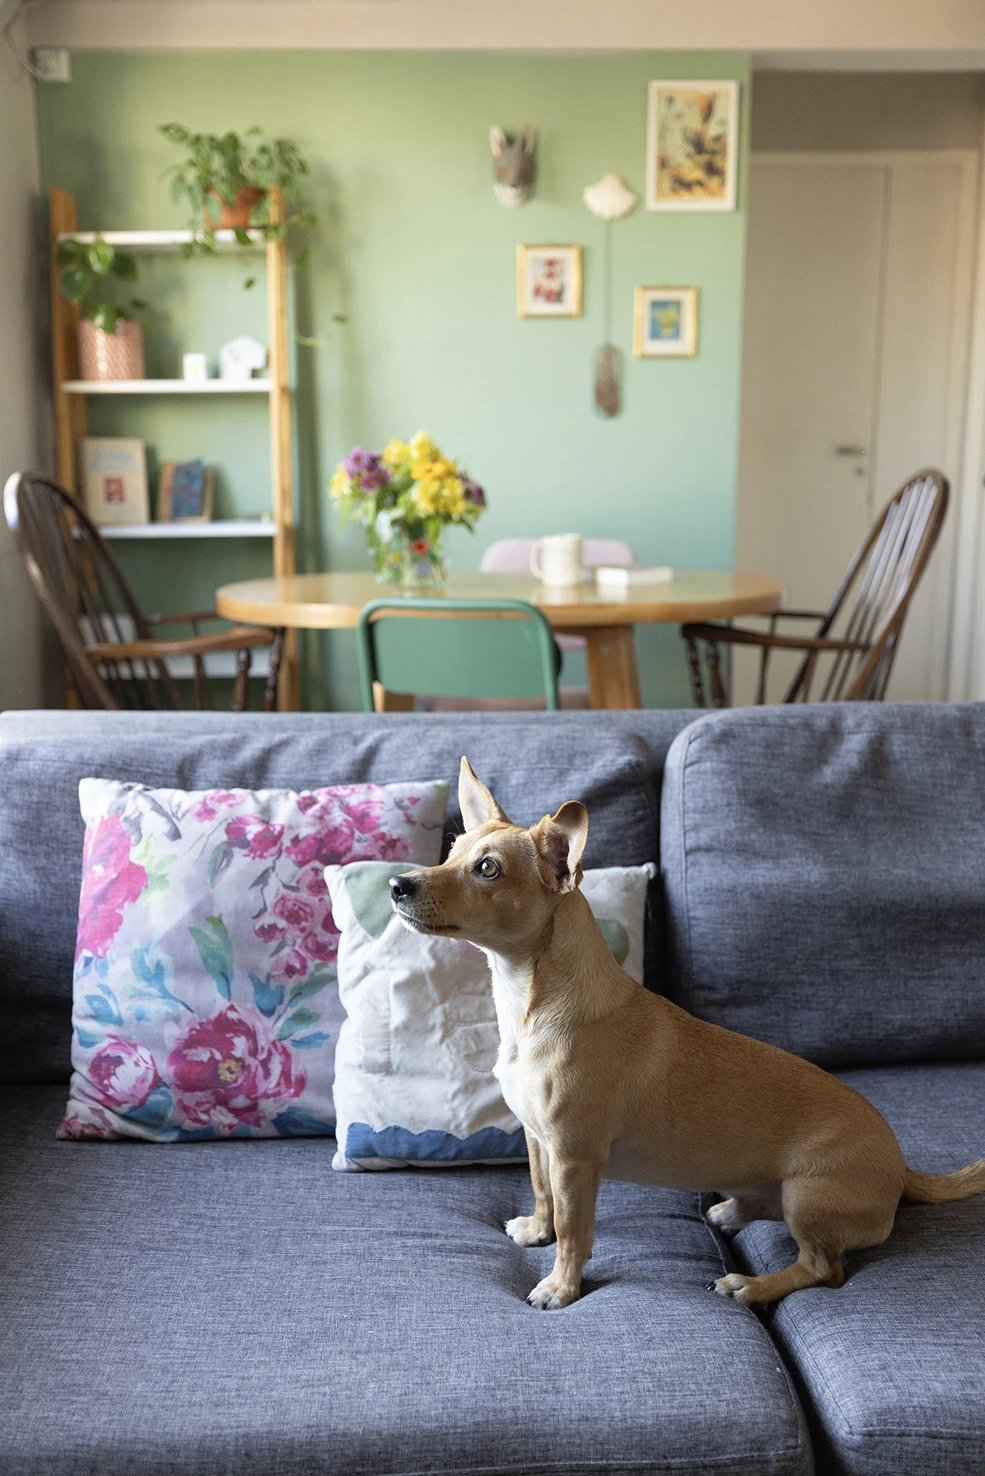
{"x": 185, "y": 492}
{"x": 548, "y": 281}
{"x": 665, "y": 322}
{"x": 113, "y": 479}
{"x": 692, "y": 145}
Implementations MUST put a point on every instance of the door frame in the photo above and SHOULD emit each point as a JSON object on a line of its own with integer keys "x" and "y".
{"x": 965, "y": 432}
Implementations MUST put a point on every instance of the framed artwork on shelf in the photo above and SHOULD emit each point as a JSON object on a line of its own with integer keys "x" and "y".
{"x": 665, "y": 322}
{"x": 548, "y": 281}
{"x": 692, "y": 145}
{"x": 113, "y": 479}
{"x": 184, "y": 494}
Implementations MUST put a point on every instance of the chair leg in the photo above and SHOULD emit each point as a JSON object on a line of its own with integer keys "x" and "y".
{"x": 273, "y": 671}
{"x": 240, "y": 687}
{"x": 694, "y": 667}
{"x": 203, "y": 690}
{"x": 719, "y": 697}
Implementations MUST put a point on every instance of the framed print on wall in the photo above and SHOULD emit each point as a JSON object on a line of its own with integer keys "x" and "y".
{"x": 692, "y": 145}
{"x": 548, "y": 281}
{"x": 665, "y": 322}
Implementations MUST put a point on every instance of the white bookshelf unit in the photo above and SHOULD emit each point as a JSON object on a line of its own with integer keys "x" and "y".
{"x": 71, "y": 395}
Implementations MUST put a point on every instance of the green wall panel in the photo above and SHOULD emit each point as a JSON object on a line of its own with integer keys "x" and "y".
{"x": 416, "y": 253}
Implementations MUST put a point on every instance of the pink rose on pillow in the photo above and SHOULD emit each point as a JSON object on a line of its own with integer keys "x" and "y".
{"x": 123, "y": 1074}
{"x": 261, "y": 840}
{"x": 323, "y": 947}
{"x": 229, "y": 1070}
{"x": 329, "y": 846}
{"x": 364, "y": 813}
{"x": 110, "y": 881}
{"x": 294, "y": 910}
{"x": 213, "y": 801}
{"x": 291, "y": 966}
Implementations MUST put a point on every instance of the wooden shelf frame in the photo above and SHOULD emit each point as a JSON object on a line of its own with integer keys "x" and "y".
{"x": 71, "y": 393}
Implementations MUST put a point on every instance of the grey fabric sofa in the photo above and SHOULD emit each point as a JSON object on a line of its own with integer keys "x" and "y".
{"x": 213, "y": 1308}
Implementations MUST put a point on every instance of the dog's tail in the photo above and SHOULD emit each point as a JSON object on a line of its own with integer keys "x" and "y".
{"x": 941, "y": 1188}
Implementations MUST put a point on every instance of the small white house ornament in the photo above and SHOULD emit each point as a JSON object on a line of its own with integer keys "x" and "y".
{"x": 239, "y": 358}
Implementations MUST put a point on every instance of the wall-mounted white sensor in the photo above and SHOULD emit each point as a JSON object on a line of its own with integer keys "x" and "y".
{"x": 51, "y": 63}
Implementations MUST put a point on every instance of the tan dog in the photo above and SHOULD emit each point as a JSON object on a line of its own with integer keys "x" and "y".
{"x": 611, "y": 1081}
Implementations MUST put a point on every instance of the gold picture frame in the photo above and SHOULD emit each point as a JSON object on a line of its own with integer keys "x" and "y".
{"x": 692, "y": 145}
{"x": 665, "y": 322}
{"x": 548, "y": 281}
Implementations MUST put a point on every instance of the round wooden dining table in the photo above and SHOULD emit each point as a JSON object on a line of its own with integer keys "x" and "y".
{"x": 604, "y": 618}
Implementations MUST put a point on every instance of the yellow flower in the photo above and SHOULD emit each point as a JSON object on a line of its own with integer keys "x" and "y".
{"x": 423, "y": 448}
{"x": 456, "y": 502}
{"x": 428, "y": 498}
{"x": 396, "y": 453}
{"x": 340, "y": 484}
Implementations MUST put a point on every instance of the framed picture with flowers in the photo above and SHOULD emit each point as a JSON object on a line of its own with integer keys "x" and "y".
{"x": 692, "y": 145}
{"x": 548, "y": 281}
{"x": 665, "y": 322}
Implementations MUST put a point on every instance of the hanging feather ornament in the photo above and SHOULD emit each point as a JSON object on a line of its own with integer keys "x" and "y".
{"x": 609, "y": 198}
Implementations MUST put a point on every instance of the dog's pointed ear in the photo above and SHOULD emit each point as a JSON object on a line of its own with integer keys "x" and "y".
{"x": 475, "y": 802}
{"x": 560, "y": 839}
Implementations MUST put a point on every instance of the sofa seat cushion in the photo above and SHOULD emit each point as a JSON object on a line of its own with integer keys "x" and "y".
{"x": 201, "y": 1310}
{"x": 893, "y": 1363}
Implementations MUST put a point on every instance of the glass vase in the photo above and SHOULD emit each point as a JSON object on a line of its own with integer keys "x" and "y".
{"x": 411, "y": 561}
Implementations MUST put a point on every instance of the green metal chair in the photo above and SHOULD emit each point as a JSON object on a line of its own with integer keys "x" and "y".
{"x": 470, "y": 648}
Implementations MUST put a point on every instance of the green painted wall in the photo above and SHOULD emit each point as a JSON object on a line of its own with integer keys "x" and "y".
{"x": 418, "y": 255}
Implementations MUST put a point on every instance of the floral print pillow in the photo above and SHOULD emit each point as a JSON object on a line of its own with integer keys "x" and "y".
{"x": 206, "y": 1002}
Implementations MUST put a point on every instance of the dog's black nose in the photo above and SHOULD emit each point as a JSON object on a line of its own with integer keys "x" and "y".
{"x": 401, "y": 886}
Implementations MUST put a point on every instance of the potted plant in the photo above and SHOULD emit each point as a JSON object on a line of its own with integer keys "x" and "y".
{"x": 405, "y": 497}
{"x": 111, "y": 344}
{"x": 227, "y": 178}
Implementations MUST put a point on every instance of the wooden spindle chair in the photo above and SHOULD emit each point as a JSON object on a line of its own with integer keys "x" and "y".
{"x": 113, "y": 658}
{"x": 860, "y": 630}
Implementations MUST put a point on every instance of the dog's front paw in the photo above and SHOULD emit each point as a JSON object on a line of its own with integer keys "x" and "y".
{"x": 733, "y": 1286}
{"x": 725, "y": 1217}
{"x": 528, "y": 1230}
{"x": 548, "y": 1297}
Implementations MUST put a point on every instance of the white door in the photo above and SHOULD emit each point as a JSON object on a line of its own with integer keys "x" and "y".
{"x": 858, "y": 294}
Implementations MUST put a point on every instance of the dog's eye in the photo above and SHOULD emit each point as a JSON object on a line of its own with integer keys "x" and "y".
{"x": 487, "y": 868}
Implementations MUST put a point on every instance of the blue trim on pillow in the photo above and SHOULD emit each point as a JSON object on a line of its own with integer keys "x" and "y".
{"x": 433, "y": 1145}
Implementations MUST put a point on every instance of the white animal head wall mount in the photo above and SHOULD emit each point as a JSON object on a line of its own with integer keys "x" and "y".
{"x": 513, "y": 173}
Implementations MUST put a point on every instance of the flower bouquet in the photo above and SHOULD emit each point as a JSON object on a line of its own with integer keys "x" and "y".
{"x": 405, "y": 497}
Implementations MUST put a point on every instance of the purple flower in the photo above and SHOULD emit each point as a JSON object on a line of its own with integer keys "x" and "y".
{"x": 474, "y": 493}
{"x": 366, "y": 468}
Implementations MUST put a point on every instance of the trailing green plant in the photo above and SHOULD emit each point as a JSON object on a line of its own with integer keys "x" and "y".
{"x": 218, "y": 165}
{"x": 86, "y": 271}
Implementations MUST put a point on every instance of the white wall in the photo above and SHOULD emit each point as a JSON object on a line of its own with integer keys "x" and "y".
{"x": 910, "y": 30}
{"x": 22, "y": 637}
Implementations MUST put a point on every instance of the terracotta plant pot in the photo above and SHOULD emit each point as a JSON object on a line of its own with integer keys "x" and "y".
{"x": 118, "y": 355}
{"x": 235, "y": 216}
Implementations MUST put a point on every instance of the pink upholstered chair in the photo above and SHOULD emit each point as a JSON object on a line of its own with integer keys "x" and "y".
{"x": 512, "y": 555}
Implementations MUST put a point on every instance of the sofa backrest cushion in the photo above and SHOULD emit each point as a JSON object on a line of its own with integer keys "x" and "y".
{"x": 824, "y": 870}
{"x": 532, "y": 764}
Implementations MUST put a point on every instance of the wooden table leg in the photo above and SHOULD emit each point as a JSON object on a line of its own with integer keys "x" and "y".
{"x": 385, "y": 701}
{"x": 613, "y": 676}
